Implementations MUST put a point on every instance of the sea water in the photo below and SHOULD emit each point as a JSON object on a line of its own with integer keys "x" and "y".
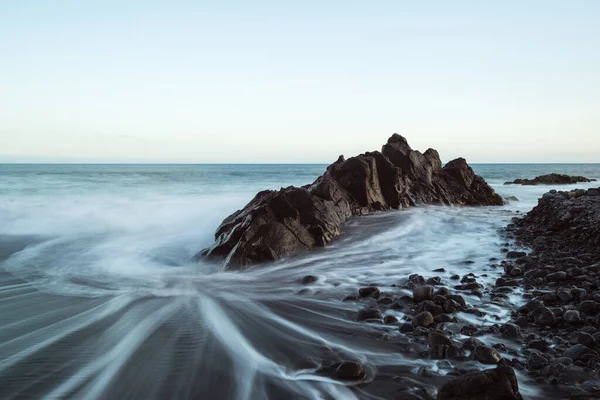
{"x": 100, "y": 296}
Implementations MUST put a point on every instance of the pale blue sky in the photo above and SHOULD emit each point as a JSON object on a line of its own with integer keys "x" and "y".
{"x": 302, "y": 81}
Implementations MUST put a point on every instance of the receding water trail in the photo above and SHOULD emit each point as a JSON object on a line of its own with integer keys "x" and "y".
{"x": 99, "y": 297}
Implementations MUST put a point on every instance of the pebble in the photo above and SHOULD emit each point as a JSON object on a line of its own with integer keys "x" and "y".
{"x": 486, "y": 355}
{"x": 422, "y": 293}
{"x": 369, "y": 314}
{"x": 423, "y": 319}
{"x": 370, "y": 291}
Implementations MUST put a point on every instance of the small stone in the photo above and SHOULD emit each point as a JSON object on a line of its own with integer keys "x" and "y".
{"x": 471, "y": 343}
{"x": 430, "y": 306}
{"x": 516, "y": 272}
{"x": 564, "y": 296}
{"x": 564, "y": 360}
{"x": 439, "y": 339}
{"x": 386, "y": 301}
{"x": 406, "y": 328}
{"x": 451, "y": 306}
{"x": 515, "y": 254}
{"x": 370, "y": 291}
{"x": 421, "y": 331}
{"x": 422, "y": 293}
{"x": 459, "y": 299}
{"x": 424, "y": 319}
{"x": 536, "y": 361}
{"x": 589, "y": 307}
{"x": 545, "y": 318}
{"x": 530, "y": 307}
{"x": 557, "y": 276}
{"x": 511, "y": 330}
{"x": 572, "y": 317}
{"x": 580, "y": 352}
{"x": 390, "y": 319}
{"x": 486, "y": 355}
{"x": 586, "y": 339}
{"x": 538, "y": 344}
{"x": 440, "y": 318}
{"x": 369, "y": 314}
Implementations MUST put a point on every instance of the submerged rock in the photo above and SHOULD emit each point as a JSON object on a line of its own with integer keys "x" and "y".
{"x": 551, "y": 179}
{"x": 276, "y": 224}
{"x": 492, "y": 384}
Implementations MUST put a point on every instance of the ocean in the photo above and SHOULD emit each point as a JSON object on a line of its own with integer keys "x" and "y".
{"x": 100, "y": 297}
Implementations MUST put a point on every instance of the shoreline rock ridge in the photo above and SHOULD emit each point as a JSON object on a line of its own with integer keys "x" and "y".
{"x": 279, "y": 223}
{"x": 560, "y": 275}
{"x": 551, "y": 179}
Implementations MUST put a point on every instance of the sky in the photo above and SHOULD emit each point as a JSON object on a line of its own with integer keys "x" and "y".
{"x": 298, "y": 81}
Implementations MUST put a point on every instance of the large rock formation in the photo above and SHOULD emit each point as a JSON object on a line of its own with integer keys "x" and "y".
{"x": 551, "y": 179}
{"x": 279, "y": 223}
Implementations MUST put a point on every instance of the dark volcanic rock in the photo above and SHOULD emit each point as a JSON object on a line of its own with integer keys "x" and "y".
{"x": 422, "y": 293}
{"x": 486, "y": 355}
{"x": 424, "y": 319}
{"x": 492, "y": 384}
{"x": 550, "y": 179}
{"x": 580, "y": 352}
{"x": 350, "y": 371}
{"x": 369, "y": 314}
{"x": 370, "y": 291}
{"x": 562, "y": 277}
{"x": 563, "y": 222}
{"x": 276, "y": 224}
{"x": 515, "y": 254}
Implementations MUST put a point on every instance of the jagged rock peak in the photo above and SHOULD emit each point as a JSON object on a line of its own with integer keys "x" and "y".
{"x": 276, "y": 224}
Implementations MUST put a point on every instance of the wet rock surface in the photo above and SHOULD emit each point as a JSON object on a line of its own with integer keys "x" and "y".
{"x": 276, "y": 224}
{"x": 551, "y": 338}
{"x": 561, "y": 279}
{"x": 492, "y": 384}
{"x": 551, "y": 179}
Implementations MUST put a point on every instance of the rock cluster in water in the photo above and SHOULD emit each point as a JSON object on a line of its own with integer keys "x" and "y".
{"x": 551, "y": 179}
{"x": 553, "y": 338}
{"x": 279, "y": 223}
{"x": 434, "y": 326}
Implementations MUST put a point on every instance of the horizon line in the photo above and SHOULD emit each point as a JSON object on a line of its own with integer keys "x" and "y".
{"x": 267, "y": 163}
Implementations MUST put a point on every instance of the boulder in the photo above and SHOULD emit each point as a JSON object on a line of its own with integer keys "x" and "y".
{"x": 280, "y": 223}
{"x": 492, "y": 384}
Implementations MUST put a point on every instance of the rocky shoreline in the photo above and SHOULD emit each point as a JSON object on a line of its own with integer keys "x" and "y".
{"x": 552, "y": 340}
{"x": 551, "y": 270}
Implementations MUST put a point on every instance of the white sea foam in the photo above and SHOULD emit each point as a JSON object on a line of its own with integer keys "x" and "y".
{"x": 102, "y": 297}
